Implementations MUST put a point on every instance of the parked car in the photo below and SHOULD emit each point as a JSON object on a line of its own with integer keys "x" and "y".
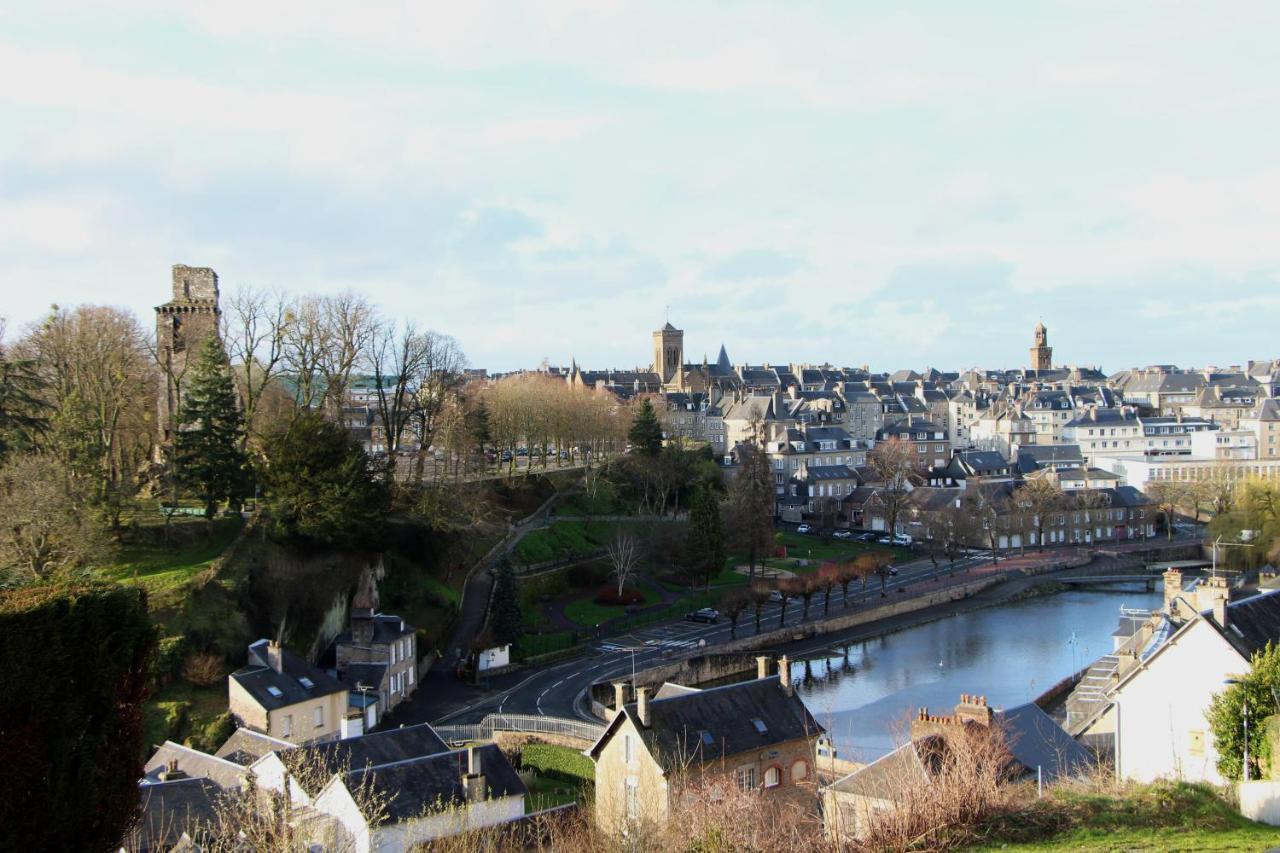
{"x": 706, "y": 614}
{"x": 901, "y": 539}
{"x": 804, "y": 528}
{"x": 842, "y": 534}
{"x": 776, "y": 595}
{"x": 866, "y": 537}
{"x": 884, "y": 540}
{"x": 893, "y": 572}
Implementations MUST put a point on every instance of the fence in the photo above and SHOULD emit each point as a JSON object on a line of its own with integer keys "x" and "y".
{"x": 530, "y": 723}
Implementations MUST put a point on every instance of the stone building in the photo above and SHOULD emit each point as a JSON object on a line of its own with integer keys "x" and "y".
{"x": 377, "y": 655}
{"x": 668, "y": 354}
{"x": 279, "y": 694}
{"x": 182, "y": 325}
{"x": 757, "y": 733}
{"x": 1042, "y": 353}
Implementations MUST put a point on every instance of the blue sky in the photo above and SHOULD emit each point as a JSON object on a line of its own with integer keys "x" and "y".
{"x": 889, "y": 184}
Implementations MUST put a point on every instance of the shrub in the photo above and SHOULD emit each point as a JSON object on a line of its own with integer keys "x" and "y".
{"x": 77, "y": 664}
{"x": 176, "y": 715}
{"x": 213, "y": 734}
{"x": 557, "y": 762}
{"x": 204, "y": 669}
{"x": 586, "y": 575}
{"x": 609, "y": 595}
{"x": 167, "y": 662}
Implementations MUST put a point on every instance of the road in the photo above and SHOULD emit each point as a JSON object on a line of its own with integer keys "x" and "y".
{"x": 559, "y": 690}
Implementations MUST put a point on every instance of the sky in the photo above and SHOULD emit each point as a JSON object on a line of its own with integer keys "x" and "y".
{"x": 891, "y": 184}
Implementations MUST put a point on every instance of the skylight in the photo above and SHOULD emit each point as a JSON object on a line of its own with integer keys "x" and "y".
{"x": 759, "y": 724}
{"x": 274, "y": 691}
{"x": 707, "y": 738}
{"x": 306, "y": 682}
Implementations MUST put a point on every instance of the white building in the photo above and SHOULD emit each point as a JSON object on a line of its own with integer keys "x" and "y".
{"x": 1159, "y": 707}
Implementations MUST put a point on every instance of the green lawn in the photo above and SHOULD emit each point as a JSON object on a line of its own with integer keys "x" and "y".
{"x": 181, "y": 710}
{"x": 547, "y": 793}
{"x": 604, "y": 503}
{"x": 163, "y": 570}
{"x": 812, "y": 547}
{"x": 561, "y": 540}
{"x": 1156, "y": 817}
{"x": 587, "y": 612}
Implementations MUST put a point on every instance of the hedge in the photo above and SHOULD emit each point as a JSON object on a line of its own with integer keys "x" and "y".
{"x": 76, "y": 664}
{"x": 558, "y": 762}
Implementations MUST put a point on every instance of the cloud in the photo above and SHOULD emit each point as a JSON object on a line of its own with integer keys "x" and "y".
{"x": 754, "y": 264}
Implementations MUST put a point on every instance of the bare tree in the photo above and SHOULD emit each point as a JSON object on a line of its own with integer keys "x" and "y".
{"x": 306, "y": 339}
{"x": 253, "y": 333}
{"x": 624, "y": 556}
{"x": 349, "y": 325}
{"x": 751, "y": 501}
{"x": 1042, "y": 499}
{"x": 440, "y": 383}
{"x": 1167, "y": 495}
{"x": 396, "y": 357}
{"x": 893, "y": 463}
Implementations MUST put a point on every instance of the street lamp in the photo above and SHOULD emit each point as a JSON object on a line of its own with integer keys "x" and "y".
{"x": 1244, "y": 703}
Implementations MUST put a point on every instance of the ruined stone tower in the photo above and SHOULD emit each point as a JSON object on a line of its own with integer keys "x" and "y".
{"x": 182, "y": 324}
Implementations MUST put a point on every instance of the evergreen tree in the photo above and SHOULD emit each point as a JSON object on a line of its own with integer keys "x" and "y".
{"x": 478, "y": 425}
{"x": 320, "y": 486}
{"x": 1257, "y": 689}
{"x": 210, "y": 457}
{"x": 646, "y": 433}
{"x": 22, "y": 411}
{"x": 706, "y": 535}
{"x": 505, "y": 619}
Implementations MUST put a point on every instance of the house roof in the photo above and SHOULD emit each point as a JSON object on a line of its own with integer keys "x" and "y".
{"x": 417, "y": 785}
{"x": 1252, "y": 623}
{"x": 173, "y": 809}
{"x": 194, "y": 763}
{"x": 386, "y": 629}
{"x": 370, "y": 675}
{"x": 1035, "y": 740}
{"x": 727, "y": 715}
{"x": 914, "y": 763}
{"x": 258, "y": 679}
{"x": 831, "y": 472}
{"x": 246, "y": 746}
{"x": 982, "y": 461}
{"x": 378, "y": 748}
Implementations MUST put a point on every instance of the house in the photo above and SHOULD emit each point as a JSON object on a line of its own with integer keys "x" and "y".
{"x": 174, "y": 815}
{"x": 1159, "y": 707}
{"x": 971, "y": 464}
{"x": 1056, "y": 456}
{"x": 928, "y": 440}
{"x": 757, "y": 733}
{"x": 377, "y": 656}
{"x": 279, "y": 694}
{"x": 1037, "y": 748}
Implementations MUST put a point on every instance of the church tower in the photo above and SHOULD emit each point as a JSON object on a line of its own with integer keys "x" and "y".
{"x": 668, "y": 354}
{"x": 1042, "y": 353}
{"x": 182, "y": 324}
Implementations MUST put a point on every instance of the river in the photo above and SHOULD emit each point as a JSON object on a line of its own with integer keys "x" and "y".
{"x": 865, "y": 693}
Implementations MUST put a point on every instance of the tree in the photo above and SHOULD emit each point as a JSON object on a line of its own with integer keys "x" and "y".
{"x": 986, "y": 505}
{"x": 893, "y": 462}
{"x": 320, "y": 487}
{"x": 706, "y": 536}
{"x": 1257, "y": 690}
{"x": 1042, "y": 499}
{"x": 1166, "y": 495}
{"x": 846, "y": 573}
{"x": 45, "y": 526}
{"x": 735, "y": 604}
{"x": 72, "y": 745}
{"x": 751, "y": 501}
{"x": 864, "y": 566}
{"x": 505, "y": 618}
{"x": 827, "y": 578}
{"x": 254, "y": 335}
{"x": 209, "y": 451}
{"x": 792, "y": 587}
{"x": 760, "y": 596}
{"x": 624, "y": 556}
{"x": 23, "y": 411}
{"x": 646, "y": 432}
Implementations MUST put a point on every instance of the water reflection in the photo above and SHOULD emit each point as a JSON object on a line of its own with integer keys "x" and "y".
{"x": 865, "y": 693}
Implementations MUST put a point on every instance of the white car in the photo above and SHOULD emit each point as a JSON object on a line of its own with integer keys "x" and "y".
{"x": 902, "y": 539}
{"x": 776, "y": 595}
{"x": 842, "y": 534}
{"x": 804, "y": 528}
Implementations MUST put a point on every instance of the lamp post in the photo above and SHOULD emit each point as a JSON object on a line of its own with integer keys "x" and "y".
{"x": 1244, "y": 704}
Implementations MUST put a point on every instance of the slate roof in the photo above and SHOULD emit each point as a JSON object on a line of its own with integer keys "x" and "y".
{"x": 386, "y": 630}
{"x": 1252, "y": 623}
{"x": 982, "y": 461}
{"x": 246, "y": 746}
{"x": 911, "y": 764}
{"x": 1035, "y": 740}
{"x": 1032, "y": 457}
{"x": 932, "y": 498}
{"x": 831, "y": 472}
{"x": 378, "y": 748}
{"x": 193, "y": 762}
{"x": 370, "y": 675}
{"x": 417, "y": 785}
{"x": 170, "y": 809}
{"x": 727, "y": 714}
{"x": 256, "y": 677}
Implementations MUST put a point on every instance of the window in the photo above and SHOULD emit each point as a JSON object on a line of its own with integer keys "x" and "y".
{"x": 746, "y": 778}
{"x": 628, "y": 749}
{"x": 409, "y": 673}
{"x": 1195, "y": 744}
{"x": 799, "y": 771}
{"x": 633, "y": 798}
{"x": 772, "y": 777}
{"x": 318, "y": 717}
{"x": 306, "y": 682}
{"x": 707, "y": 738}
{"x": 759, "y": 724}
{"x": 286, "y": 725}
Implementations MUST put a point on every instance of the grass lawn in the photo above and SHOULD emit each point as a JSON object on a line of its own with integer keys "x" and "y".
{"x": 190, "y": 706}
{"x": 163, "y": 570}
{"x": 604, "y": 503}
{"x": 546, "y": 793}
{"x": 562, "y": 539}
{"x": 1160, "y": 816}
{"x": 588, "y": 613}
{"x": 812, "y": 547}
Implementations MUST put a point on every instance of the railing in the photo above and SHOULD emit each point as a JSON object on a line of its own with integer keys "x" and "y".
{"x": 531, "y": 723}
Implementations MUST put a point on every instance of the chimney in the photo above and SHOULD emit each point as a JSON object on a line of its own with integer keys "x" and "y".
{"x": 619, "y": 695}
{"x": 784, "y": 674}
{"x": 762, "y": 666}
{"x": 1172, "y": 589}
{"x": 473, "y": 779}
{"x": 642, "y": 706}
{"x": 1212, "y": 594}
{"x": 974, "y": 709}
{"x": 273, "y": 656}
{"x": 352, "y": 724}
{"x": 171, "y": 772}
